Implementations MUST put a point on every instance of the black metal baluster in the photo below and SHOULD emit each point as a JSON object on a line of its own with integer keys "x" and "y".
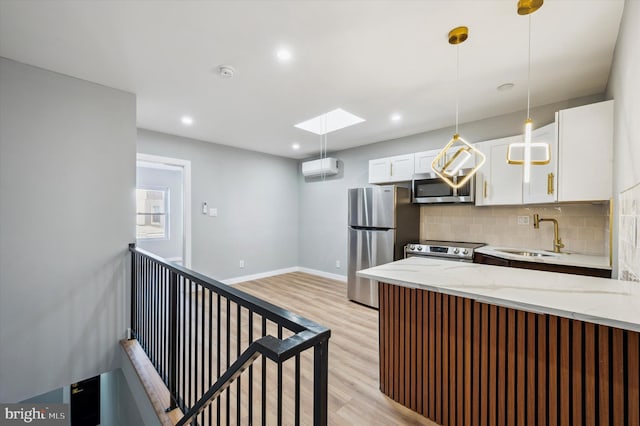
{"x": 209, "y": 346}
{"x": 297, "y": 391}
{"x": 173, "y": 339}
{"x": 184, "y": 344}
{"x": 264, "y": 376}
{"x": 239, "y": 379}
{"x": 228, "y": 359}
{"x": 189, "y": 346}
{"x": 146, "y": 305}
{"x": 132, "y": 304}
{"x": 218, "y": 358}
{"x": 202, "y": 345}
{"x": 279, "y": 381}
{"x": 194, "y": 372}
{"x": 156, "y": 280}
{"x": 320, "y": 382}
{"x": 250, "y": 398}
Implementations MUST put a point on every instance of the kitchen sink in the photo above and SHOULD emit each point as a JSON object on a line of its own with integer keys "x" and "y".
{"x": 528, "y": 253}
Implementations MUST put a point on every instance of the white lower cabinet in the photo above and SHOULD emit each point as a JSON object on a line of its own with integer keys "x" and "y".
{"x": 391, "y": 169}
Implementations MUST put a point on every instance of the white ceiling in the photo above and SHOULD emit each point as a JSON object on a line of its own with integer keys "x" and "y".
{"x": 372, "y": 58}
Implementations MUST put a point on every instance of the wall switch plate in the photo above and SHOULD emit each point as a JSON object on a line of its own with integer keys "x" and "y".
{"x": 213, "y": 211}
{"x": 338, "y": 264}
{"x": 523, "y": 220}
{"x": 242, "y": 263}
{"x": 204, "y": 207}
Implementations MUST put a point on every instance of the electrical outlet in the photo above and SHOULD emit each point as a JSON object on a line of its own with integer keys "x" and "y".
{"x": 523, "y": 220}
{"x": 242, "y": 263}
{"x": 337, "y": 264}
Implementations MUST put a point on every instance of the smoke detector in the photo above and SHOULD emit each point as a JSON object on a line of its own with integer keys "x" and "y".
{"x": 226, "y": 71}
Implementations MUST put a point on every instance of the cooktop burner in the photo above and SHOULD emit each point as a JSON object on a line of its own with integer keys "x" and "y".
{"x": 446, "y": 249}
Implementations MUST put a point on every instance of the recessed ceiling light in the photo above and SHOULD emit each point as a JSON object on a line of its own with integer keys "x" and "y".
{"x": 329, "y": 122}
{"x": 396, "y": 117}
{"x": 295, "y": 146}
{"x": 186, "y": 120}
{"x": 506, "y": 86}
{"x": 226, "y": 71}
{"x": 284, "y": 54}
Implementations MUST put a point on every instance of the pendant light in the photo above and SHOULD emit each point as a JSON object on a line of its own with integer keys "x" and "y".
{"x": 527, "y": 7}
{"x": 457, "y": 153}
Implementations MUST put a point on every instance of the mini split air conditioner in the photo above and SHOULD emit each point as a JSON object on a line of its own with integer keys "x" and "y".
{"x": 325, "y": 166}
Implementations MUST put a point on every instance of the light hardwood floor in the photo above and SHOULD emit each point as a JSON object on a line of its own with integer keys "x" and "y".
{"x": 354, "y": 395}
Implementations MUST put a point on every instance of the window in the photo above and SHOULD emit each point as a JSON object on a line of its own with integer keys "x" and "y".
{"x": 152, "y": 216}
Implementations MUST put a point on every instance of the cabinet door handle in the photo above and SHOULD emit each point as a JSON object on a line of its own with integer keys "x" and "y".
{"x": 550, "y": 184}
{"x": 390, "y": 169}
{"x": 484, "y": 192}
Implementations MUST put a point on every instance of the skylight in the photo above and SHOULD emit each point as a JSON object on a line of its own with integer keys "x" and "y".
{"x": 329, "y": 122}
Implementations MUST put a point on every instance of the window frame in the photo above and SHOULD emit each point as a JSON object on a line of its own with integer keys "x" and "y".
{"x": 167, "y": 228}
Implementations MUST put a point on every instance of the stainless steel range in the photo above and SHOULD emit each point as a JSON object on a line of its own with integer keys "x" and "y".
{"x": 450, "y": 250}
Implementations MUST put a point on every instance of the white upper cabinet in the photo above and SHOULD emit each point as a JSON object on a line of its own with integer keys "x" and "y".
{"x": 423, "y": 161}
{"x": 497, "y": 182}
{"x": 391, "y": 169}
{"x": 501, "y": 183}
{"x": 542, "y": 187}
{"x": 585, "y": 135}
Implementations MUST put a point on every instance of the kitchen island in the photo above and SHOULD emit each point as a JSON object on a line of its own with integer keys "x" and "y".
{"x": 464, "y": 343}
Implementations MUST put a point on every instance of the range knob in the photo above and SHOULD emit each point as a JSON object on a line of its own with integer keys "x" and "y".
{"x": 465, "y": 251}
{"x": 419, "y": 248}
{"x": 456, "y": 251}
{"x": 411, "y": 247}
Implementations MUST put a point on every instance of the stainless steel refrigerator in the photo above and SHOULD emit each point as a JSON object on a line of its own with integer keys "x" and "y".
{"x": 381, "y": 221}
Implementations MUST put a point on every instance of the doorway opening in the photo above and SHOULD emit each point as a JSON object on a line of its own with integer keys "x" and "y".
{"x": 163, "y": 207}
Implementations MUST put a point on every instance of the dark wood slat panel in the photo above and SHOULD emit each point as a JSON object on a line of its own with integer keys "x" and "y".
{"x": 445, "y": 359}
{"x": 432, "y": 355}
{"x": 577, "y": 373}
{"x": 603, "y": 373}
{"x": 633, "y": 374}
{"x": 468, "y": 381}
{"x": 552, "y": 363}
{"x": 438, "y": 364}
{"x": 420, "y": 349}
{"x": 531, "y": 368}
{"x": 502, "y": 366}
{"x": 476, "y": 363}
{"x": 493, "y": 363}
{"x": 542, "y": 370}
{"x": 401, "y": 346}
{"x": 460, "y": 371}
{"x": 521, "y": 357}
{"x": 590, "y": 372}
{"x": 452, "y": 360}
{"x": 477, "y": 331}
{"x": 511, "y": 367}
{"x": 617, "y": 376}
{"x": 484, "y": 364}
{"x": 564, "y": 389}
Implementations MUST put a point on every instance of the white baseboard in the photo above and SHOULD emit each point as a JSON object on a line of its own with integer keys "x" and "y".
{"x": 231, "y": 281}
{"x": 323, "y": 274}
{"x": 237, "y": 280}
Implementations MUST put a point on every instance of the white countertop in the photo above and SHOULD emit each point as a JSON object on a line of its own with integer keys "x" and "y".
{"x": 599, "y": 300}
{"x": 566, "y": 258}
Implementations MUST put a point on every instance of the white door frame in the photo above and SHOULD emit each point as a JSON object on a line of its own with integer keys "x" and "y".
{"x": 186, "y": 167}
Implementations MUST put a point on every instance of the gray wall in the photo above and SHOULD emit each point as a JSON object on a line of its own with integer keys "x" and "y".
{"x": 67, "y": 178}
{"x": 323, "y": 204}
{"x": 171, "y": 247}
{"x": 256, "y": 198}
{"x": 624, "y": 87}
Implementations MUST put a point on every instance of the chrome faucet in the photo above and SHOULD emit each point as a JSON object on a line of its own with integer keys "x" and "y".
{"x": 557, "y": 241}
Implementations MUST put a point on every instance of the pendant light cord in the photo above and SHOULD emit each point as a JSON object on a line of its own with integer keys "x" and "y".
{"x": 457, "y": 85}
{"x": 529, "y": 73}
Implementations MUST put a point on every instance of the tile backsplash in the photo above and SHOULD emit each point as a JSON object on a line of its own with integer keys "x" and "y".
{"x": 583, "y": 228}
{"x": 629, "y": 235}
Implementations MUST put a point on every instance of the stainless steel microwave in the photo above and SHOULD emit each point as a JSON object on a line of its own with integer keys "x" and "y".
{"x": 429, "y": 188}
